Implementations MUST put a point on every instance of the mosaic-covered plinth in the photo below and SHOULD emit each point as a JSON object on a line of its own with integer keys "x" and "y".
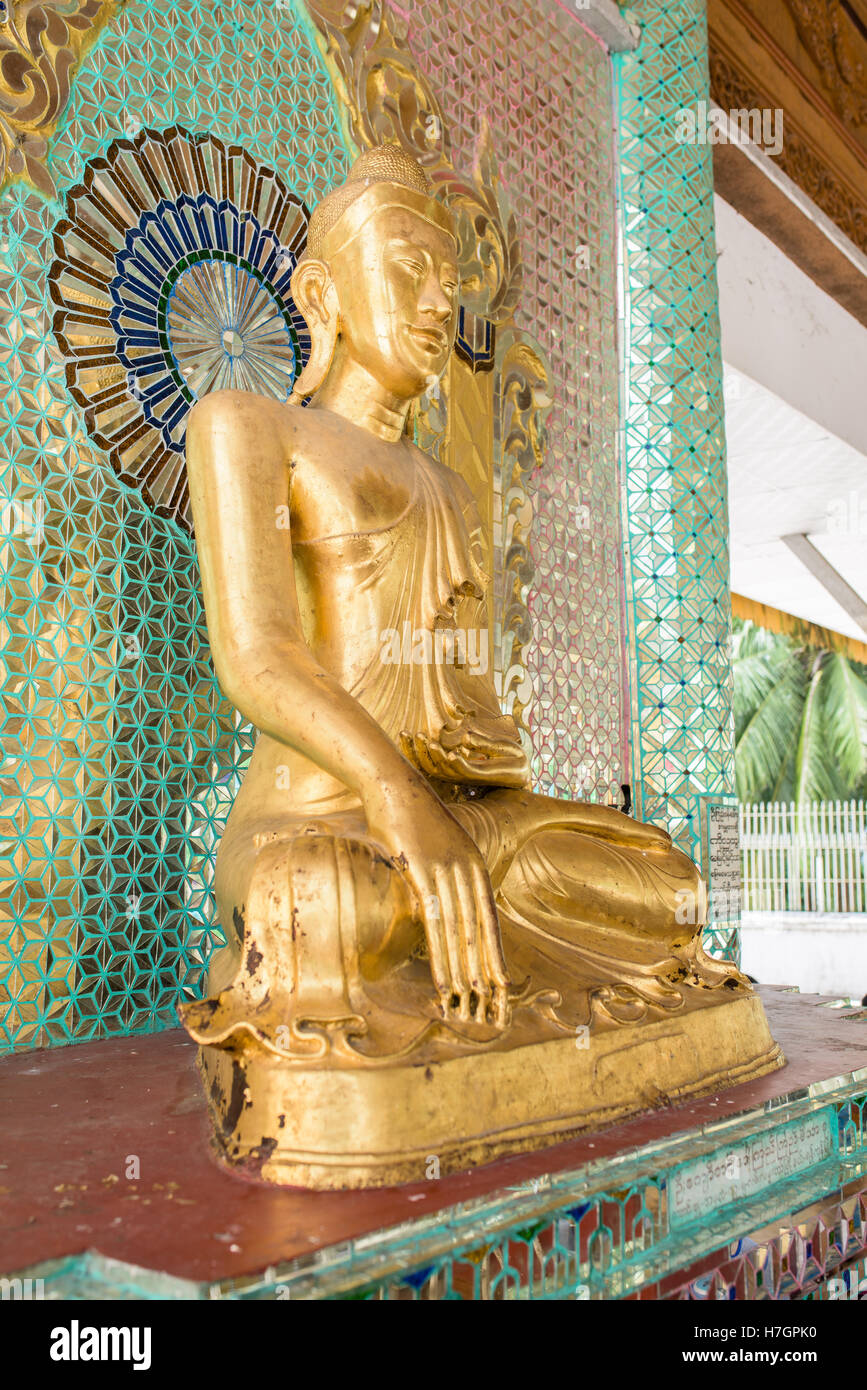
{"x": 660, "y": 1206}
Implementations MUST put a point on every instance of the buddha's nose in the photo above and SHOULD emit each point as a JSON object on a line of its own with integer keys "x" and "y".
{"x": 435, "y": 302}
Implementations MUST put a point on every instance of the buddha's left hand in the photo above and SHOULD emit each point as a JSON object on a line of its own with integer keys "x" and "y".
{"x": 468, "y": 754}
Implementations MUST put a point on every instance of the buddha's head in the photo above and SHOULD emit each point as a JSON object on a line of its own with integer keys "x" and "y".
{"x": 378, "y": 282}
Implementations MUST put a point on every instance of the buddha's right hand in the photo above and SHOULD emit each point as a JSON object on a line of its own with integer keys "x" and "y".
{"x": 454, "y": 900}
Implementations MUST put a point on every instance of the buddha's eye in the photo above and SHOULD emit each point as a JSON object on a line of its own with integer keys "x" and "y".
{"x": 415, "y": 267}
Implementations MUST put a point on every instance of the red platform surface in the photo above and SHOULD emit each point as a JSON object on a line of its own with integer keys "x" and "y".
{"x": 71, "y": 1117}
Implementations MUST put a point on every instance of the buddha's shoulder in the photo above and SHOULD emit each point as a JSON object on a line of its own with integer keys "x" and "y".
{"x": 313, "y": 439}
{"x": 243, "y": 410}
{"x": 445, "y": 477}
{"x": 231, "y": 405}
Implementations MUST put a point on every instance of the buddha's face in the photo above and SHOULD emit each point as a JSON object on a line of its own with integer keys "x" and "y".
{"x": 397, "y": 286}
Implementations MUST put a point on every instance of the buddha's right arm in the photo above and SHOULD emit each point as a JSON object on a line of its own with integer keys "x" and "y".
{"x": 239, "y": 463}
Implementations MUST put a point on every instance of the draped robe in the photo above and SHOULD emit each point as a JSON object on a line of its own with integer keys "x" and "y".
{"x": 325, "y": 955}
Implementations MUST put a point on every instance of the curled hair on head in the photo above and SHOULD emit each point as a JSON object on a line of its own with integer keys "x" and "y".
{"x": 383, "y": 164}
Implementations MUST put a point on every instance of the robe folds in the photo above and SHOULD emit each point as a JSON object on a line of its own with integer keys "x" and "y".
{"x": 325, "y": 956}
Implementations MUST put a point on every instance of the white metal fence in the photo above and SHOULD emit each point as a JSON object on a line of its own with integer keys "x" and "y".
{"x": 804, "y": 859}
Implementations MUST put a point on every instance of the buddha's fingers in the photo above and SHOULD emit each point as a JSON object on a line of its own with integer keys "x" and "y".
{"x": 413, "y": 748}
{"x": 423, "y": 755}
{"x": 484, "y": 1006}
{"x": 453, "y": 928}
{"x": 495, "y": 964}
{"x": 472, "y": 937}
{"x": 501, "y": 1008}
{"x": 436, "y": 945}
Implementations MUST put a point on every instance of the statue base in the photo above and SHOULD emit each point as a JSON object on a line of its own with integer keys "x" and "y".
{"x": 332, "y": 1127}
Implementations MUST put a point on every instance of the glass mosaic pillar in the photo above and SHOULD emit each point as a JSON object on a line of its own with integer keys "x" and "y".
{"x": 542, "y": 84}
{"x": 673, "y": 448}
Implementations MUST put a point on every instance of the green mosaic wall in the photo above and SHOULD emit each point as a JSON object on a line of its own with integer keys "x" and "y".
{"x": 119, "y": 756}
{"x": 679, "y": 608}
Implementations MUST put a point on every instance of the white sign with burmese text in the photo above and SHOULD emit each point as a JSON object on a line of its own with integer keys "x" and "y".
{"x": 739, "y": 1172}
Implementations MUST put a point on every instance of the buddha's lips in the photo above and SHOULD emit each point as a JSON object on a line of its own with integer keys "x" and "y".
{"x": 431, "y": 337}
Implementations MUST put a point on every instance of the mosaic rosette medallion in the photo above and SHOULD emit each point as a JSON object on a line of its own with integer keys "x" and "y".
{"x": 172, "y": 280}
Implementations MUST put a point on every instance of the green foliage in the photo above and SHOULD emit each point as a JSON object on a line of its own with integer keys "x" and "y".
{"x": 800, "y": 719}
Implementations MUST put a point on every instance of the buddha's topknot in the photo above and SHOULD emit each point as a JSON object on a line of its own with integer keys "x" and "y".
{"x": 383, "y": 164}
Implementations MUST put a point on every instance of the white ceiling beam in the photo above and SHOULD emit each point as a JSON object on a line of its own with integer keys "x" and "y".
{"x": 829, "y": 578}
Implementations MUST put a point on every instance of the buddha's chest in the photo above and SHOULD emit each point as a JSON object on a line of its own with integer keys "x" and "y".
{"x": 352, "y": 490}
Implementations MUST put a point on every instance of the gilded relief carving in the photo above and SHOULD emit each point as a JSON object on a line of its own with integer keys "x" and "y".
{"x": 489, "y": 249}
{"x": 41, "y": 46}
{"x": 523, "y": 402}
{"x": 385, "y": 96}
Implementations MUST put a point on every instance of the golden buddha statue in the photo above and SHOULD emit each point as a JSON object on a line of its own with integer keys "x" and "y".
{"x": 423, "y": 956}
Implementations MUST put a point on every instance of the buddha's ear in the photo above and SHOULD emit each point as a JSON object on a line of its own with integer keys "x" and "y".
{"x": 315, "y": 293}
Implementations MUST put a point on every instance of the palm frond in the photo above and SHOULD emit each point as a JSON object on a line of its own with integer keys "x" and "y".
{"x": 783, "y": 787}
{"x": 816, "y": 777}
{"x": 768, "y": 735}
{"x": 800, "y": 717}
{"x": 844, "y": 712}
{"x": 761, "y": 660}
